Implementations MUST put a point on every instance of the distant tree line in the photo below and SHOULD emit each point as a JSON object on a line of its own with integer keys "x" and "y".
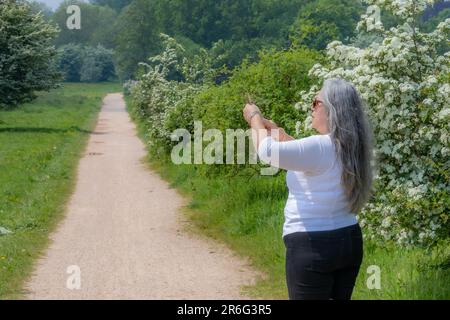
{"x": 116, "y": 35}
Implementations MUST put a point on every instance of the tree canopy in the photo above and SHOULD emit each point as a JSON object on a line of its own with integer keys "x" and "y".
{"x": 96, "y": 25}
{"x": 26, "y": 53}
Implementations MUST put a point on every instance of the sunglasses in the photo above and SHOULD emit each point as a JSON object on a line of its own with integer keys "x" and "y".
{"x": 315, "y": 104}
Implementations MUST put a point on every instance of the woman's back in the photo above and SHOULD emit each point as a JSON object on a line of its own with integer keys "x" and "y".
{"x": 329, "y": 179}
{"x": 317, "y": 200}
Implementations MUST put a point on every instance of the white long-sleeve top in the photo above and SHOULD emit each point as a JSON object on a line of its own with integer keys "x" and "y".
{"x": 316, "y": 201}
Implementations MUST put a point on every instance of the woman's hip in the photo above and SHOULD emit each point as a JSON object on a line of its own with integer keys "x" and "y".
{"x": 333, "y": 249}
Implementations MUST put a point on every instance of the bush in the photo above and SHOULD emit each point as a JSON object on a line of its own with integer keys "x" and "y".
{"x": 128, "y": 87}
{"x": 71, "y": 61}
{"x": 154, "y": 95}
{"x": 86, "y": 64}
{"x": 97, "y": 65}
{"x": 321, "y": 21}
{"x": 167, "y": 105}
{"x": 26, "y": 53}
{"x": 274, "y": 83}
{"x": 403, "y": 78}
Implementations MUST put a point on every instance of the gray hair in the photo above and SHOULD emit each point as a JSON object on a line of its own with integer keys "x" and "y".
{"x": 352, "y": 134}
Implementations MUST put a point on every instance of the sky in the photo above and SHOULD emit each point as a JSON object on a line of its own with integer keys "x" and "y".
{"x": 52, "y": 3}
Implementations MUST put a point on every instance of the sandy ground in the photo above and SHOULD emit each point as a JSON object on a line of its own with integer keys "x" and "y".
{"x": 124, "y": 233}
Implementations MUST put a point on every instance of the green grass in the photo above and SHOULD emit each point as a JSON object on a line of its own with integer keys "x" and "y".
{"x": 247, "y": 215}
{"x": 413, "y": 273}
{"x": 40, "y": 145}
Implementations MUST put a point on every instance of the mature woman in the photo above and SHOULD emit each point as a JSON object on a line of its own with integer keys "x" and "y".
{"x": 329, "y": 180}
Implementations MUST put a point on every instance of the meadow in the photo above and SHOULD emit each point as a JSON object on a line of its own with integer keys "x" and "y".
{"x": 40, "y": 145}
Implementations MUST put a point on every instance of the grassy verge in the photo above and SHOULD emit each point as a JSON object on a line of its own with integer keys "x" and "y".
{"x": 40, "y": 145}
{"x": 248, "y": 215}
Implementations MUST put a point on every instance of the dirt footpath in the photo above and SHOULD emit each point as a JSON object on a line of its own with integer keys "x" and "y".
{"x": 123, "y": 232}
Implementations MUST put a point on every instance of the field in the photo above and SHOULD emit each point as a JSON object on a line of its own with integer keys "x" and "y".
{"x": 41, "y": 143}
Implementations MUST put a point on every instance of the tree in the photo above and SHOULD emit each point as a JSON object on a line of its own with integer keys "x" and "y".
{"x": 244, "y": 26}
{"x": 137, "y": 32}
{"x": 37, "y": 7}
{"x": 97, "y": 65}
{"x": 71, "y": 61}
{"x": 113, "y": 4}
{"x": 96, "y": 25}
{"x": 27, "y": 56}
{"x": 86, "y": 64}
{"x": 323, "y": 21}
{"x": 436, "y": 9}
{"x": 206, "y": 22}
{"x": 431, "y": 24}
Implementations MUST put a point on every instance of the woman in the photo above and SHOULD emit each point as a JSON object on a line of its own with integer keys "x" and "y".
{"x": 329, "y": 180}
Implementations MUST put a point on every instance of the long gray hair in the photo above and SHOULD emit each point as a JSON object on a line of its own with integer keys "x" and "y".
{"x": 352, "y": 135}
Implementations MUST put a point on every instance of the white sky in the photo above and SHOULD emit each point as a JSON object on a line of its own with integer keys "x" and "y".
{"x": 52, "y": 3}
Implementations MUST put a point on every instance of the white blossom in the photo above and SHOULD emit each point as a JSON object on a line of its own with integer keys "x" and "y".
{"x": 403, "y": 81}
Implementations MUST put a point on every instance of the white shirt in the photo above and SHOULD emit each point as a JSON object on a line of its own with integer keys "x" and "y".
{"x": 317, "y": 200}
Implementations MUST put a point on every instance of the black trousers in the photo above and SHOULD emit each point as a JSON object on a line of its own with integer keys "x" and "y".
{"x": 323, "y": 265}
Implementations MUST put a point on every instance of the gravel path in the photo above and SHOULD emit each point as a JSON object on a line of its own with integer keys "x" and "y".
{"x": 124, "y": 234}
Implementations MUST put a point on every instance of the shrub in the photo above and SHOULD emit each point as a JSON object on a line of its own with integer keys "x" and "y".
{"x": 154, "y": 95}
{"x": 97, "y": 65}
{"x": 274, "y": 83}
{"x": 71, "y": 61}
{"x": 402, "y": 76}
{"x": 27, "y": 56}
{"x": 86, "y": 64}
{"x": 167, "y": 105}
{"x": 322, "y": 21}
{"x": 128, "y": 87}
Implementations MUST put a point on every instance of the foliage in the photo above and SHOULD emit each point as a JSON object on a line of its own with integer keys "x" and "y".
{"x": 86, "y": 64}
{"x": 114, "y": 4}
{"x": 41, "y": 144}
{"x": 242, "y": 27}
{"x": 136, "y": 37}
{"x": 26, "y": 53}
{"x": 274, "y": 83}
{"x": 70, "y": 61}
{"x": 97, "y": 65}
{"x": 168, "y": 105}
{"x": 323, "y": 21}
{"x": 97, "y": 24}
{"x": 405, "y": 82}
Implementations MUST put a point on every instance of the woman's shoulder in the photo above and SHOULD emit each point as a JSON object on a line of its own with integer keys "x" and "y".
{"x": 322, "y": 139}
{"x": 317, "y": 151}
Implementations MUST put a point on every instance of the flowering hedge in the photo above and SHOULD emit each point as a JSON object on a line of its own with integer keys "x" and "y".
{"x": 155, "y": 96}
{"x": 167, "y": 105}
{"x": 403, "y": 77}
{"x": 405, "y": 82}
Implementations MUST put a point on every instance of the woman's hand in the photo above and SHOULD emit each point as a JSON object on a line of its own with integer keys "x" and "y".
{"x": 256, "y": 122}
{"x": 249, "y": 110}
{"x": 270, "y": 125}
{"x": 276, "y": 132}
